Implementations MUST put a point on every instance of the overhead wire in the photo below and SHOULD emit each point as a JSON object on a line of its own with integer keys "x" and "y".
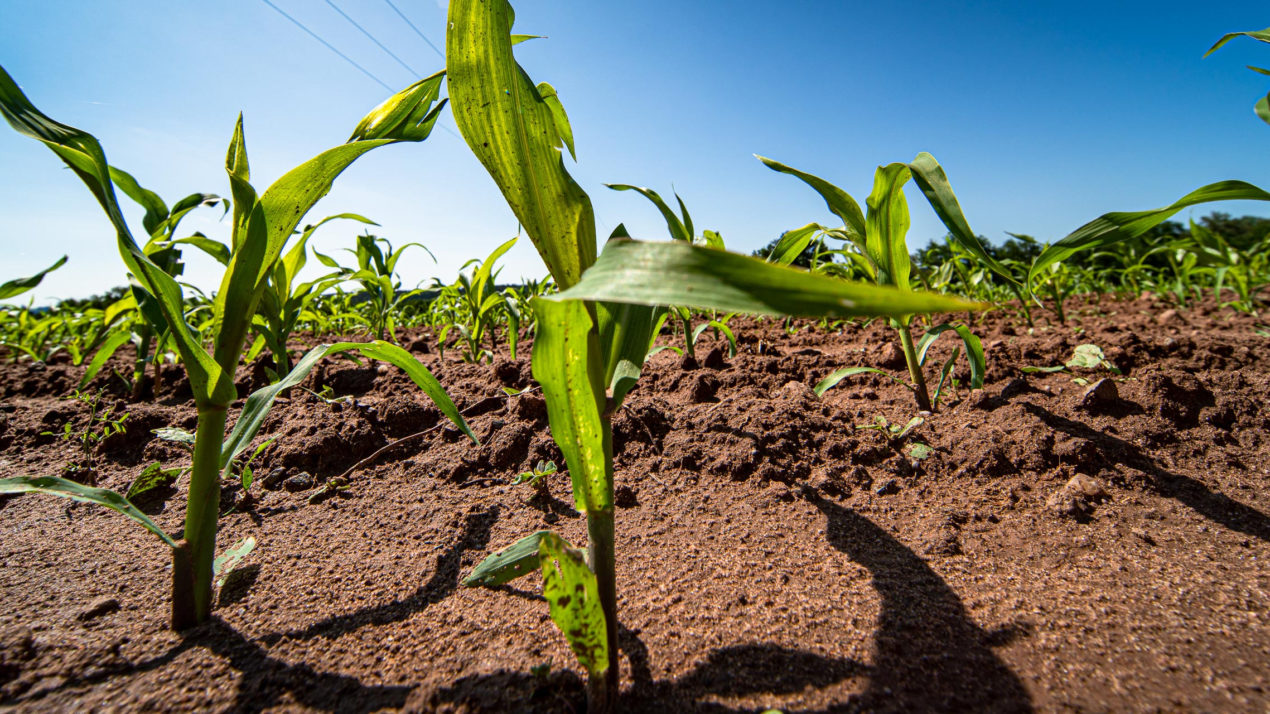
{"x": 422, "y": 36}
{"x": 328, "y": 45}
{"x": 372, "y": 38}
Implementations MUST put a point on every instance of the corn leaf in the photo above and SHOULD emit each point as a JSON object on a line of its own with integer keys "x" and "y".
{"x": 931, "y": 179}
{"x": 566, "y": 363}
{"x": 16, "y": 287}
{"x": 793, "y": 243}
{"x": 225, "y": 563}
{"x": 1111, "y": 228}
{"x": 886, "y": 227}
{"x": 572, "y": 593}
{"x": 84, "y": 155}
{"x": 515, "y": 132}
{"x": 974, "y": 350}
{"x": 679, "y": 230}
{"x": 520, "y": 558}
{"x": 1259, "y": 35}
{"x": 55, "y": 486}
{"x": 838, "y": 375}
{"x": 152, "y": 477}
{"x": 107, "y": 349}
{"x": 677, "y": 273}
{"x": 839, "y": 202}
{"x": 258, "y": 404}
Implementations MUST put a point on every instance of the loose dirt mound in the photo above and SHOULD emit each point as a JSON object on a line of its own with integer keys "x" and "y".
{"x": 1053, "y": 546}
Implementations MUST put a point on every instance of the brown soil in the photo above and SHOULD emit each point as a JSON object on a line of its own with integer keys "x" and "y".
{"x": 1057, "y": 551}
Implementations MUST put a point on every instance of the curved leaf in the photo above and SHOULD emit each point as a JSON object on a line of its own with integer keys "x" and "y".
{"x": 55, "y": 486}
{"x": 514, "y": 131}
{"x": 566, "y": 362}
{"x": 18, "y": 286}
{"x": 838, "y": 375}
{"x": 572, "y": 594}
{"x": 520, "y": 558}
{"x": 677, "y": 273}
{"x": 1112, "y": 228}
{"x": 258, "y": 404}
{"x": 839, "y": 202}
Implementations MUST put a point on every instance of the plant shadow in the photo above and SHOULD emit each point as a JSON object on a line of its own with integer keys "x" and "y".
{"x": 928, "y": 654}
{"x": 1215, "y": 506}
{"x": 444, "y": 580}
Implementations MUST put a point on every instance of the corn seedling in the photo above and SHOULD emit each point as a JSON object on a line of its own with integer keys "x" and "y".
{"x": 592, "y": 338}
{"x": 376, "y": 272}
{"x": 881, "y": 251}
{"x": 262, "y": 225}
{"x": 285, "y": 302}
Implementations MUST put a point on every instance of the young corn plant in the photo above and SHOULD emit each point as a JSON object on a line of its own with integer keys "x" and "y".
{"x": 285, "y": 301}
{"x": 262, "y": 225}
{"x": 882, "y": 252}
{"x": 592, "y": 338}
{"x": 681, "y": 229}
{"x": 476, "y": 308}
{"x": 377, "y": 273}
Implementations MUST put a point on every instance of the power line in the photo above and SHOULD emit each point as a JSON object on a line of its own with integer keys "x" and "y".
{"x": 329, "y": 46}
{"x": 412, "y": 26}
{"x": 364, "y": 31}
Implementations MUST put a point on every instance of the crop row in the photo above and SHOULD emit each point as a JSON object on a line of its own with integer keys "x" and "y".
{"x": 594, "y": 320}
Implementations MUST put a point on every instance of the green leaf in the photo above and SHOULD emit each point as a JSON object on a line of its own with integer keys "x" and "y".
{"x": 678, "y": 230}
{"x": 887, "y": 226}
{"x": 54, "y": 486}
{"x": 625, "y": 334}
{"x": 18, "y": 286}
{"x": 974, "y": 350}
{"x": 107, "y": 349}
{"x": 227, "y": 561}
{"x": 84, "y": 155}
{"x": 1111, "y": 228}
{"x": 515, "y": 132}
{"x": 838, "y": 375}
{"x": 931, "y": 179}
{"x": 678, "y": 273}
{"x": 258, "y": 404}
{"x": 520, "y": 558}
{"x": 572, "y": 593}
{"x": 839, "y": 202}
{"x": 1259, "y": 35}
{"x": 566, "y": 363}
{"x": 175, "y": 434}
{"x": 152, "y": 477}
{"x": 793, "y": 243}
{"x": 919, "y": 451}
{"x": 1090, "y": 357}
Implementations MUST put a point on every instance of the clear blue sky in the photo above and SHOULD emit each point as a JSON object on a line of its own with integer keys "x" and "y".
{"x": 1044, "y": 114}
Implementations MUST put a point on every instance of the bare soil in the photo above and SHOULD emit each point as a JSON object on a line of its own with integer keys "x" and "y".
{"x": 1056, "y": 551}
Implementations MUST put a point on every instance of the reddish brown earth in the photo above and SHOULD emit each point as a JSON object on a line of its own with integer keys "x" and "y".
{"x": 771, "y": 554}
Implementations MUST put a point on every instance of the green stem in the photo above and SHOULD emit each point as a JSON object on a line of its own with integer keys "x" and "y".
{"x": 914, "y": 369}
{"x": 191, "y": 606}
{"x": 601, "y": 552}
{"x": 139, "y": 367}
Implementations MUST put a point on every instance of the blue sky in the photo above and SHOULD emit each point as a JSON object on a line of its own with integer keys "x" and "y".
{"x": 1044, "y": 114}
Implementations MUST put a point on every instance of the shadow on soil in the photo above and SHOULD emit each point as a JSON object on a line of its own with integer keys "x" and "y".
{"x": 1214, "y": 506}
{"x": 264, "y": 680}
{"x": 929, "y": 655}
{"x": 475, "y": 536}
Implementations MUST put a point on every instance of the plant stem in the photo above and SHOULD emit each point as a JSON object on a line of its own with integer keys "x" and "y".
{"x": 914, "y": 369}
{"x": 601, "y": 552}
{"x": 139, "y": 367}
{"x": 193, "y": 605}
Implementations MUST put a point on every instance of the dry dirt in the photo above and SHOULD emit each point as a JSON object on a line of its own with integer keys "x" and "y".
{"x": 1056, "y": 551}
